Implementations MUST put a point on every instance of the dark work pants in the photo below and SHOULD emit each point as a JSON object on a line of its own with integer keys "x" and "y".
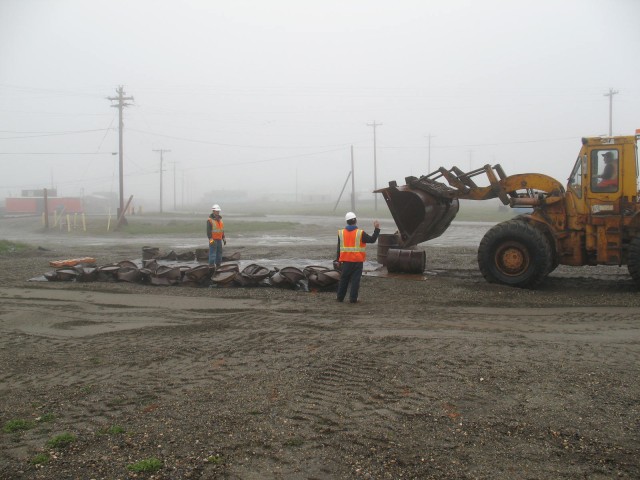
{"x": 351, "y": 273}
{"x": 215, "y": 253}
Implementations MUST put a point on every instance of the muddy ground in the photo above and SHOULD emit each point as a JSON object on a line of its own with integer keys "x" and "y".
{"x": 442, "y": 376}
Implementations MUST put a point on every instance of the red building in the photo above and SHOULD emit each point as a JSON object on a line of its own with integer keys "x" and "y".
{"x": 32, "y": 201}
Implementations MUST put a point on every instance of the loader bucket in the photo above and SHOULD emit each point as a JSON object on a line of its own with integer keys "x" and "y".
{"x": 419, "y": 215}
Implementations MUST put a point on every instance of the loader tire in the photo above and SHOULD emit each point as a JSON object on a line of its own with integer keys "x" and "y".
{"x": 515, "y": 253}
{"x": 633, "y": 263}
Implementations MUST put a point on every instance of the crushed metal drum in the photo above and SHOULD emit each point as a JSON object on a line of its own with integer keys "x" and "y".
{"x": 150, "y": 252}
{"x": 224, "y": 278}
{"x": 86, "y": 274}
{"x": 166, "y": 275}
{"x": 66, "y": 274}
{"x": 169, "y": 256}
{"x": 197, "y": 276}
{"x": 127, "y": 264}
{"x": 108, "y": 273}
{"x": 128, "y": 274}
{"x": 234, "y": 257}
{"x": 252, "y": 275}
{"x": 151, "y": 264}
{"x": 321, "y": 277}
{"x": 186, "y": 256}
{"x": 287, "y": 277}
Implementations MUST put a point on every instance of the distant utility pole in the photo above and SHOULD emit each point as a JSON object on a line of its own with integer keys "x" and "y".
{"x": 121, "y": 99}
{"x": 429, "y": 156}
{"x": 174, "y": 186}
{"x": 611, "y": 93}
{"x": 353, "y": 184}
{"x": 162, "y": 151}
{"x": 375, "y": 167}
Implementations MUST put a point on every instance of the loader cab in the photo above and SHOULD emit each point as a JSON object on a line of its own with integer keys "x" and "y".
{"x": 606, "y": 169}
{"x": 603, "y": 175}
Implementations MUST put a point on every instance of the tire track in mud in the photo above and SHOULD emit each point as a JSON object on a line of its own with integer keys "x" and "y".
{"x": 346, "y": 395}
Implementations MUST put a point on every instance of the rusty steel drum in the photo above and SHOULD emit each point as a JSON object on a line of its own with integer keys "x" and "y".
{"x": 386, "y": 241}
{"x": 202, "y": 254}
{"x": 406, "y": 261}
{"x": 150, "y": 252}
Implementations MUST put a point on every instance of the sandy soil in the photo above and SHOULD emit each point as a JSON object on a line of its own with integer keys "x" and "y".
{"x": 439, "y": 376}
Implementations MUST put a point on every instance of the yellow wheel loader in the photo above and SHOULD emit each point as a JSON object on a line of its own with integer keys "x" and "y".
{"x": 595, "y": 220}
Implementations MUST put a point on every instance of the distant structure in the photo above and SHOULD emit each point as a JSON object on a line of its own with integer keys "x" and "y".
{"x": 32, "y": 202}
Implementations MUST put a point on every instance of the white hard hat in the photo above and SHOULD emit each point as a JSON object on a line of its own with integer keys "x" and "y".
{"x": 216, "y": 207}
{"x": 350, "y": 216}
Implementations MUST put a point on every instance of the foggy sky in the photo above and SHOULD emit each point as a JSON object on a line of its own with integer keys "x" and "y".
{"x": 269, "y": 96}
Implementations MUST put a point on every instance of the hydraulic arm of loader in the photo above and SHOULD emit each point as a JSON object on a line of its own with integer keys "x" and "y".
{"x": 425, "y": 207}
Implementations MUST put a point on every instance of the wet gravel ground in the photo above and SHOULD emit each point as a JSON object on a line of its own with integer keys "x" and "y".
{"x": 435, "y": 376}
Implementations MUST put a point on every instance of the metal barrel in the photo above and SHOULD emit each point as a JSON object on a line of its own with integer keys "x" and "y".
{"x": 202, "y": 254}
{"x": 386, "y": 241}
{"x": 150, "y": 252}
{"x": 406, "y": 261}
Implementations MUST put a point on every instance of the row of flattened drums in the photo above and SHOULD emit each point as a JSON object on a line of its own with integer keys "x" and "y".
{"x": 228, "y": 274}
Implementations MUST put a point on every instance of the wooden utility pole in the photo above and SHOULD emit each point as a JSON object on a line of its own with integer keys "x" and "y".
{"x": 162, "y": 151}
{"x": 611, "y": 93}
{"x": 121, "y": 99}
{"x": 45, "y": 194}
{"x": 353, "y": 184}
{"x": 429, "y": 155}
{"x": 174, "y": 186}
{"x": 375, "y": 167}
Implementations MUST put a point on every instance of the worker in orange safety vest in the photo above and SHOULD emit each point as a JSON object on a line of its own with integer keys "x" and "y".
{"x": 215, "y": 232}
{"x": 351, "y": 255}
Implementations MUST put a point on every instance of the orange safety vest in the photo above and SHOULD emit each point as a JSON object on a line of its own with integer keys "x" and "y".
{"x": 217, "y": 230}
{"x": 352, "y": 248}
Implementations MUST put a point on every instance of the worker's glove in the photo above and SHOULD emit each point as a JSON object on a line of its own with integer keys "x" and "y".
{"x": 224, "y": 241}
{"x": 337, "y": 265}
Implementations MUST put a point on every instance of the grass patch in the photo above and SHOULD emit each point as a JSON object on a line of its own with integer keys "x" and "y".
{"x": 87, "y": 389}
{"x": 16, "y": 425}
{"x": 147, "y": 465}
{"x": 40, "y": 459}
{"x": 7, "y": 247}
{"x": 46, "y": 417}
{"x": 113, "y": 430}
{"x": 294, "y": 442}
{"x": 215, "y": 459}
{"x": 62, "y": 440}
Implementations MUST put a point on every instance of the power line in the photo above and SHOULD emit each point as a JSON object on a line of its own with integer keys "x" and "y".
{"x": 232, "y": 144}
{"x": 52, "y": 134}
{"x": 58, "y": 153}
